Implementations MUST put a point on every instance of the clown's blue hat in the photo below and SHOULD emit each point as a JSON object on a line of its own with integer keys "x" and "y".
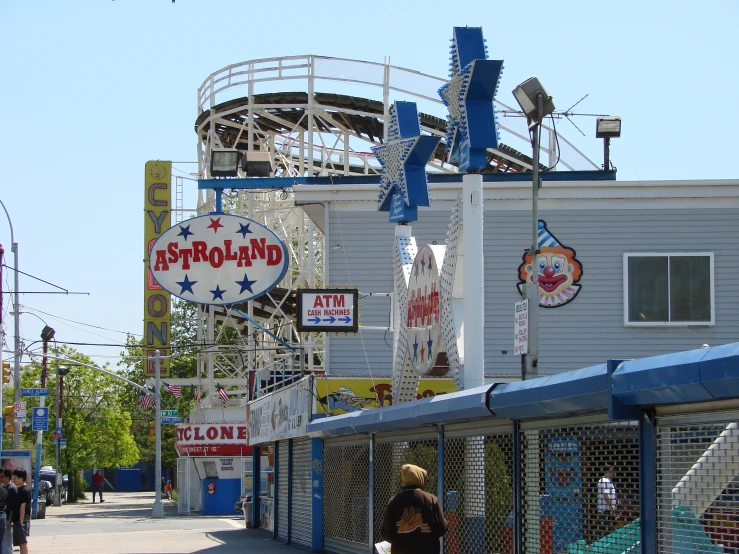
{"x": 545, "y": 237}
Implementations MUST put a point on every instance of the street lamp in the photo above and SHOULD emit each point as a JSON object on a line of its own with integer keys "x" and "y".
{"x": 16, "y": 315}
{"x": 536, "y": 105}
{"x": 607, "y": 128}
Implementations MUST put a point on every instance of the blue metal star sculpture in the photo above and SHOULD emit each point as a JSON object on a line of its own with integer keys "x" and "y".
{"x": 472, "y": 126}
{"x": 403, "y": 157}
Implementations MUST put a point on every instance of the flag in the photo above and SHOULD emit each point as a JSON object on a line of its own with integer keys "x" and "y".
{"x": 146, "y": 401}
{"x": 196, "y": 395}
{"x": 222, "y": 393}
{"x": 174, "y": 389}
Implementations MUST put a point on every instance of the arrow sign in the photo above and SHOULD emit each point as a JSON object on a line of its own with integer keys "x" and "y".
{"x": 327, "y": 310}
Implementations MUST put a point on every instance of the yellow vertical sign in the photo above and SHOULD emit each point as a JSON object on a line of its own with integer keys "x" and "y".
{"x": 157, "y": 301}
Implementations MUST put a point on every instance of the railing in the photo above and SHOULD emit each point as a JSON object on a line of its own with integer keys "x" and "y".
{"x": 376, "y": 80}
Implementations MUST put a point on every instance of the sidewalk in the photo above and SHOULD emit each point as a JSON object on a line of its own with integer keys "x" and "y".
{"x": 123, "y": 525}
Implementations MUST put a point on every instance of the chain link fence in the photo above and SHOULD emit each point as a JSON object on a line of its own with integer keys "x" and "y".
{"x": 580, "y": 487}
{"x": 698, "y": 487}
{"x": 478, "y": 492}
{"x": 346, "y": 491}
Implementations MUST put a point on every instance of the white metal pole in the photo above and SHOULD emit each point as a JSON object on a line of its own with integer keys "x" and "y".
{"x": 473, "y": 283}
{"x": 158, "y": 509}
{"x": 58, "y": 477}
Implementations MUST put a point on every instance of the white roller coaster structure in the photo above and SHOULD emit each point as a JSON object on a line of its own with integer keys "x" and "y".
{"x": 310, "y": 132}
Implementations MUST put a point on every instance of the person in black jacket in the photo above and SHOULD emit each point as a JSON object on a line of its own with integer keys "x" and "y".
{"x": 414, "y": 520}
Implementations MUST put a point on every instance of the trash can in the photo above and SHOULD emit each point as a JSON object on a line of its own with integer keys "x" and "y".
{"x": 246, "y": 508}
{"x": 41, "y": 510}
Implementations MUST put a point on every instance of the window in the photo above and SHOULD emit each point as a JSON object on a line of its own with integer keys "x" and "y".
{"x": 668, "y": 289}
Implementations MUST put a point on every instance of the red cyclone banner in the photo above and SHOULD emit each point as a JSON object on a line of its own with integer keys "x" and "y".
{"x": 212, "y": 439}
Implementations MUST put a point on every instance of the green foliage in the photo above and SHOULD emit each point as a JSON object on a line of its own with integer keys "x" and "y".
{"x": 174, "y": 495}
{"x": 97, "y": 430}
{"x": 133, "y": 367}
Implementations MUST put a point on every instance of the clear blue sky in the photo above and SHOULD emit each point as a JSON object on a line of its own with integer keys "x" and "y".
{"x": 91, "y": 90}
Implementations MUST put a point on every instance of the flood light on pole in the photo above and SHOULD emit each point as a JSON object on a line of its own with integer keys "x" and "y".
{"x": 527, "y": 95}
{"x": 224, "y": 162}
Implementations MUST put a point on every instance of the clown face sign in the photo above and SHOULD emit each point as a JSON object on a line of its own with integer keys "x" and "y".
{"x": 558, "y": 269}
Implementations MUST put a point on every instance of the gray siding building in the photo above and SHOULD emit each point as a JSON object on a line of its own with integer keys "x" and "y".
{"x": 660, "y": 268}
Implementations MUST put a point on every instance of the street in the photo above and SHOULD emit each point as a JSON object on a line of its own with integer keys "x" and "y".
{"x": 122, "y": 525}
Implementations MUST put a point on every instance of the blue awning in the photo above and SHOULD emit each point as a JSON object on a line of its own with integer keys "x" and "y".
{"x": 455, "y": 407}
{"x": 566, "y": 393}
{"x": 693, "y": 376}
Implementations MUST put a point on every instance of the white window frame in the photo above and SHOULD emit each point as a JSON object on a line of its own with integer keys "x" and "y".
{"x": 628, "y": 323}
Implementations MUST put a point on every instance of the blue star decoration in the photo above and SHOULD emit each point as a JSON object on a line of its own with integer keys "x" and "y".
{"x": 244, "y": 229}
{"x": 415, "y": 349}
{"x": 218, "y": 293}
{"x": 430, "y": 344}
{"x": 186, "y": 285}
{"x": 245, "y": 284}
{"x": 403, "y": 157}
{"x": 185, "y": 232}
{"x": 472, "y": 126}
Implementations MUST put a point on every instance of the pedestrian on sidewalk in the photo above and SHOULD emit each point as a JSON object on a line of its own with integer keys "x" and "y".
{"x": 168, "y": 490}
{"x": 7, "y": 483}
{"x": 414, "y": 520}
{"x": 22, "y": 510}
{"x": 4, "y": 495}
{"x": 97, "y": 485}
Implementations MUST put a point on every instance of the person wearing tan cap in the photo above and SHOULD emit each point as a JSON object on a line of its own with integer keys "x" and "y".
{"x": 414, "y": 520}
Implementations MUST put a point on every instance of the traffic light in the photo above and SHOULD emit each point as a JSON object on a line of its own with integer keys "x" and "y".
{"x": 6, "y": 373}
{"x": 8, "y": 424}
{"x": 152, "y": 431}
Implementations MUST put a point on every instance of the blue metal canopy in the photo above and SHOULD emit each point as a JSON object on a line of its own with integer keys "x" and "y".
{"x": 693, "y": 376}
{"x": 562, "y": 394}
{"x": 447, "y": 408}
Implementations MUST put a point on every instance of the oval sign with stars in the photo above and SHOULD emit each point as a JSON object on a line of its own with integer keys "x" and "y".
{"x": 423, "y": 322}
{"x": 218, "y": 259}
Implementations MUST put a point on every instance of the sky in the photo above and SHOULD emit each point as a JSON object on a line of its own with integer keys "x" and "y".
{"x": 91, "y": 90}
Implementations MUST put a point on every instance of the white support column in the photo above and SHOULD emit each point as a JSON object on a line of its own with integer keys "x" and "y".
{"x": 474, "y": 290}
{"x": 211, "y": 358}
{"x": 346, "y": 153}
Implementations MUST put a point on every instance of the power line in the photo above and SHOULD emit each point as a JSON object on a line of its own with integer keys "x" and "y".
{"x": 81, "y": 323}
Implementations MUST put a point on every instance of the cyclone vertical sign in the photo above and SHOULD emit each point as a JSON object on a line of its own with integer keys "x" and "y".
{"x": 157, "y": 301}
{"x": 218, "y": 259}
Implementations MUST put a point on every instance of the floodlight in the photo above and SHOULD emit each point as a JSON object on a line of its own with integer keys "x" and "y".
{"x": 608, "y": 127}
{"x": 257, "y": 164}
{"x": 47, "y": 333}
{"x": 224, "y": 163}
{"x": 526, "y": 95}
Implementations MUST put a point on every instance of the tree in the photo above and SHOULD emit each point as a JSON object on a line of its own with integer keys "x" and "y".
{"x": 98, "y": 432}
{"x": 133, "y": 363}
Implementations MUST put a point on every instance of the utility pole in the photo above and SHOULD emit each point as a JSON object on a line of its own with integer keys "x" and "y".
{"x": 530, "y": 361}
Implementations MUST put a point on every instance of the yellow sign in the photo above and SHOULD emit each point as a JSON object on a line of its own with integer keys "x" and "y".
{"x": 157, "y": 301}
{"x": 339, "y": 395}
